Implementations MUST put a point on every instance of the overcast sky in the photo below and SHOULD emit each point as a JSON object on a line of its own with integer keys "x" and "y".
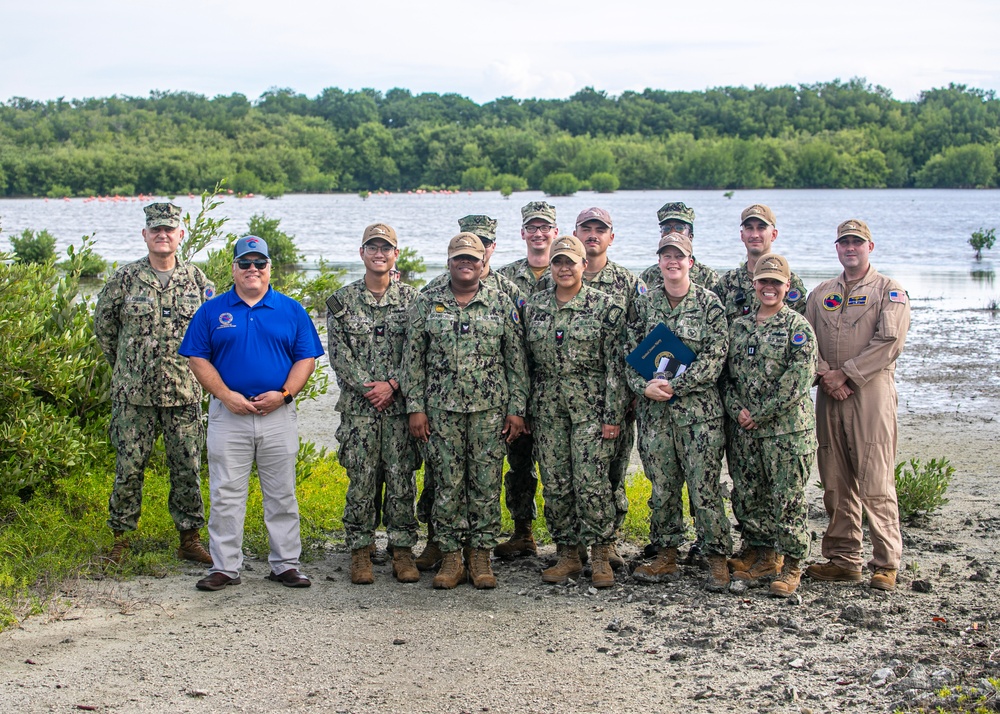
{"x": 484, "y": 50}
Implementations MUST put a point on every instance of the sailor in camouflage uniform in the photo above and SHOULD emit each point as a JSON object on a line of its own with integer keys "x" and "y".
{"x": 366, "y": 330}
{"x": 595, "y": 230}
{"x": 758, "y": 230}
{"x": 141, "y": 316}
{"x": 576, "y": 405}
{"x": 464, "y": 379}
{"x": 765, "y": 389}
{"x": 531, "y": 275}
{"x": 486, "y": 228}
{"x": 680, "y": 418}
{"x": 676, "y": 217}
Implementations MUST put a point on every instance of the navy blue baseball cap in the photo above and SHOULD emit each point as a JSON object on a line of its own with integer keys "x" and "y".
{"x": 250, "y": 244}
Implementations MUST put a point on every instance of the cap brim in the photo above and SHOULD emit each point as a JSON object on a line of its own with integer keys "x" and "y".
{"x": 163, "y": 222}
{"x": 772, "y": 276}
{"x": 853, "y": 235}
{"x": 572, "y": 256}
{"x": 466, "y": 255}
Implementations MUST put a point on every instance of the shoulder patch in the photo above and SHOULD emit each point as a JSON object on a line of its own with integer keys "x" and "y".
{"x": 614, "y": 315}
{"x": 897, "y": 296}
{"x": 209, "y": 292}
{"x": 640, "y": 288}
{"x": 514, "y": 317}
{"x": 714, "y": 312}
{"x": 833, "y": 301}
{"x": 799, "y": 338}
{"x": 334, "y": 305}
{"x": 793, "y": 296}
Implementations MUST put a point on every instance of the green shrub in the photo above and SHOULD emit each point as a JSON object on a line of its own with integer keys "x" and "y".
{"x": 920, "y": 487}
{"x": 59, "y": 191}
{"x": 410, "y": 264}
{"x": 560, "y": 184}
{"x": 604, "y": 182}
{"x": 91, "y": 265}
{"x": 983, "y": 239}
{"x": 33, "y": 248}
{"x": 476, "y": 178}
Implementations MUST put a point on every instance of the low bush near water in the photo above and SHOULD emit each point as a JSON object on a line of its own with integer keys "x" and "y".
{"x": 920, "y": 487}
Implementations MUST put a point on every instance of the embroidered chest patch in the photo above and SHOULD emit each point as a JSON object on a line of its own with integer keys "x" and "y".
{"x": 857, "y": 300}
{"x": 833, "y": 301}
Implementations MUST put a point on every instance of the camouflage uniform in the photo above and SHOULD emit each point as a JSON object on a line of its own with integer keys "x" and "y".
{"x": 769, "y": 372}
{"x": 139, "y": 324}
{"x": 682, "y": 440}
{"x": 365, "y": 338}
{"x": 700, "y": 274}
{"x": 622, "y": 283}
{"x": 577, "y": 385}
{"x": 738, "y": 297}
{"x": 465, "y": 369}
{"x": 520, "y": 273}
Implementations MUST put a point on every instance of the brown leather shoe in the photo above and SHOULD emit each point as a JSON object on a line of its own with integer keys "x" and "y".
{"x": 767, "y": 565}
{"x": 403, "y": 565}
{"x": 290, "y": 579}
{"x": 883, "y": 579}
{"x": 361, "y": 565}
{"x": 831, "y": 572}
{"x": 192, "y": 549}
{"x": 521, "y": 543}
{"x": 663, "y": 567}
{"x": 217, "y": 581}
{"x": 745, "y": 559}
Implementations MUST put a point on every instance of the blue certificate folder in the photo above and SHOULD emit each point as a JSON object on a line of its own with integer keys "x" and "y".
{"x": 660, "y": 343}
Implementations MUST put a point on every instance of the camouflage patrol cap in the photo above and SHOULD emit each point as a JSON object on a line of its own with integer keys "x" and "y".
{"x": 676, "y": 211}
{"x": 466, "y": 244}
{"x": 538, "y": 209}
{"x": 772, "y": 265}
{"x": 483, "y": 226}
{"x": 594, "y": 214}
{"x": 382, "y": 231}
{"x": 162, "y": 214}
{"x": 760, "y": 212}
{"x": 675, "y": 240}
{"x": 569, "y": 246}
{"x": 854, "y": 227}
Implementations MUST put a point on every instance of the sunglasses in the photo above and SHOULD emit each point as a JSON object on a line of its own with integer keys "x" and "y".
{"x": 259, "y": 263}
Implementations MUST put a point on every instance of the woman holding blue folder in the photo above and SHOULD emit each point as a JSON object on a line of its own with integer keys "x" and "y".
{"x": 680, "y": 417}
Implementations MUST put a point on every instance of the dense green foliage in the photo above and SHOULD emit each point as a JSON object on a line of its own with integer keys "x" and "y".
{"x": 832, "y": 134}
{"x": 32, "y": 247}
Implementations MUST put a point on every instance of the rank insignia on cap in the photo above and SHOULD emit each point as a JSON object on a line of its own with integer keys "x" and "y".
{"x": 897, "y": 296}
{"x": 793, "y": 296}
{"x": 799, "y": 338}
{"x": 833, "y": 301}
{"x": 515, "y": 318}
{"x": 857, "y": 300}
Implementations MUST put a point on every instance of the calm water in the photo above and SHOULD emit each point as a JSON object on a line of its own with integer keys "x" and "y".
{"x": 920, "y": 235}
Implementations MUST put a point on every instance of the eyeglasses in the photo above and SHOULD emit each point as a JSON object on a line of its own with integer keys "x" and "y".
{"x": 544, "y": 230}
{"x": 375, "y": 249}
{"x": 675, "y": 227}
{"x": 259, "y": 263}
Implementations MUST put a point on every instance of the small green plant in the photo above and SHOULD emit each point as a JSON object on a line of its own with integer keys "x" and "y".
{"x": 33, "y": 248}
{"x": 274, "y": 190}
{"x": 410, "y": 264}
{"x": 89, "y": 265}
{"x": 983, "y": 239}
{"x": 363, "y": 194}
{"x": 920, "y": 487}
{"x": 560, "y": 184}
{"x": 604, "y": 182}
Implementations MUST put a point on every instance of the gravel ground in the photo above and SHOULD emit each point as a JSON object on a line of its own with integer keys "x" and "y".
{"x": 158, "y": 645}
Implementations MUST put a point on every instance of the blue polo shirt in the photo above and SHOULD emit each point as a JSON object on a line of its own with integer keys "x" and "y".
{"x": 253, "y": 348}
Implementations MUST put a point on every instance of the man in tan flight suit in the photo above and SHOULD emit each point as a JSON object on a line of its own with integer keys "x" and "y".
{"x": 860, "y": 319}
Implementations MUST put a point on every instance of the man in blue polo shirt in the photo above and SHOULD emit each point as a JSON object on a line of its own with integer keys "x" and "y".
{"x": 252, "y": 349}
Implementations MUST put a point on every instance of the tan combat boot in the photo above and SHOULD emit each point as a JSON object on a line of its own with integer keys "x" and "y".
{"x": 118, "y": 549}
{"x": 745, "y": 559}
{"x": 830, "y": 571}
{"x": 431, "y": 554}
{"x": 568, "y": 566}
{"x": 787, "y": 581}
{"x": 452, "y": 572}
{"x": 480, "y": 570}
{"x": 718, "y": 573}
{"x": 361, "y": 565}
{"x": 521, "y": 543}
{"x": 883, "y": 579}
{"x": 768, "y": 565}
{"x": 661, "y": 569}
{"x": 403, "y": 565}
{"x": 602, "y": 576}
{"x": 192, "y": 549}
{"x": 617, "y": 562}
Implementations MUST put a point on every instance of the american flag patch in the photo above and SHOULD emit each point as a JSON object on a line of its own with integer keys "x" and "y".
{"x": 897, "y": 296}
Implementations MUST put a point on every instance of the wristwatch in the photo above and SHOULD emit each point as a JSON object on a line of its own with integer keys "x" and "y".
{"x": 288, "y": 397}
